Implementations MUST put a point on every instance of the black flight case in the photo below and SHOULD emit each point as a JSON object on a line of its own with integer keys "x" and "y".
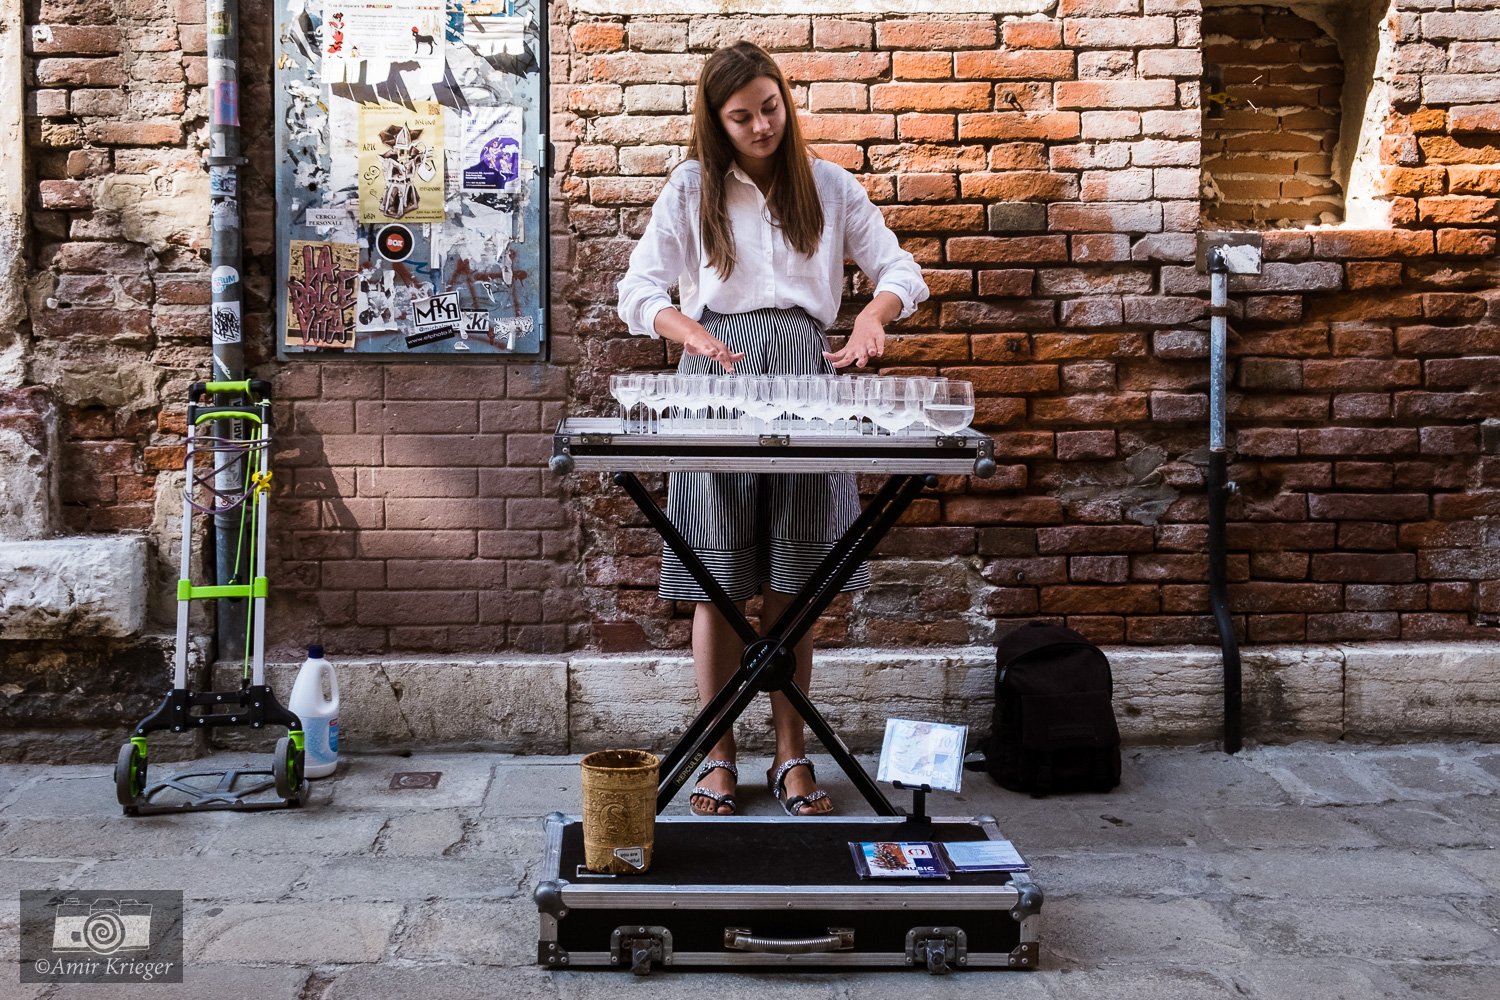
{"x": 764, "y": 892}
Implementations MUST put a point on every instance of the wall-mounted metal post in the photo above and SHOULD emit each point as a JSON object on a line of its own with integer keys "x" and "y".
{"x": 1221, "y": 254}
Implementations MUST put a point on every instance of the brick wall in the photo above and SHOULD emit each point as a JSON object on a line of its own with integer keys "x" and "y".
{"x": 1044, "y": 170}
{"x": 1270, "y": 131}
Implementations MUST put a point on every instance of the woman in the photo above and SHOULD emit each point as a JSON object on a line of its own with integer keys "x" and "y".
{"x": 754, "y": 231}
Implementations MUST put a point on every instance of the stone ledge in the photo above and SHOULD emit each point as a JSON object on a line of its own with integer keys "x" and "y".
{"x": 83, "y": 587}
{"x": 1163, "y": 695}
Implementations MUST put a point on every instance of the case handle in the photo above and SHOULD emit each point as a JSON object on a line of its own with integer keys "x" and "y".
{"x": 837, "y": 939}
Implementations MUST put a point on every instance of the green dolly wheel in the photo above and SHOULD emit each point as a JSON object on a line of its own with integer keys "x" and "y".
{"x": 130, "y": 775}
{"x": 286, "y": 768}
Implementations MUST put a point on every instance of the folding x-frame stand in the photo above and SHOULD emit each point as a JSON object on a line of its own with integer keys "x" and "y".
{"x": 768, "y": 663}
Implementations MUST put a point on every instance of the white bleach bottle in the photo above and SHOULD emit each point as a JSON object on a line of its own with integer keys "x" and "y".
{"x": 319, "y": 713}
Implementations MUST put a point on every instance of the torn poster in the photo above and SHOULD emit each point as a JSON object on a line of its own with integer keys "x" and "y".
{"x": 494, "y": 35}
{"x": 320, "y": 294}
{"x": 492, "y": 149}
{"x": 366, "y": 43}
{"x": 401, "y": 163}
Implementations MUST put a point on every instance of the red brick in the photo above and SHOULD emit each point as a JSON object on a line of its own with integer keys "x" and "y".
{"x": 1372, "y": 243}
{"x": 923, "y": 33}
{"x": 1007, "y": 250}
{"x": 1134, "y": 94}
{"x": 108, "y": 133}
{"x": 1091, "y": 409}
{"x": 841, "y": 33}
{"x": 998, "y": 509}
{"x": 80, "y": 39}
{"x": 598, "y": 36}
{"x": 1006, "y": 284}
{"x": 80, "y": 72}
{"x": 1009, "y": 125}
{"x": 1018, "y": 186}
{"x": 1460, "y": 210}
{"x": 922, "y": 65}
{"x": 848, "y": 128}
{"x": 770, "y": 33}
{"x": 931, "y": 96}
{"x": 803, "y": 67}
{"x": 1465, "y": 242}
{"x": 926, "y": 127}
{"x": 1031, "y": 34}
{"x": 1009, "y": 65}
{"x": 995, "y": 315}
{"x": 1132, "y": 599}
{"x": 1474, "y": 118}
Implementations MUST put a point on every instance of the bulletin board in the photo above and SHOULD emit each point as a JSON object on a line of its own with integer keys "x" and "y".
{"x": 411, "y": 179}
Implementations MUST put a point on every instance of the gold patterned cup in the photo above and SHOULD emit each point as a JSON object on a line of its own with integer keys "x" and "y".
{"x": 619, "y": 810}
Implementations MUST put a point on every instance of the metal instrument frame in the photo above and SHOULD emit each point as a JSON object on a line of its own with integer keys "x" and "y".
{"x": 912, "y": 462}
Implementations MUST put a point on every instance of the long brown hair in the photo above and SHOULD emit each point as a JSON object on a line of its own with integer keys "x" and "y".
{"x": 793, "y": 198}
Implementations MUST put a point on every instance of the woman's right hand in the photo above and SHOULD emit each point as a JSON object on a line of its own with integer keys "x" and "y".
{"x": 698, "y": 341}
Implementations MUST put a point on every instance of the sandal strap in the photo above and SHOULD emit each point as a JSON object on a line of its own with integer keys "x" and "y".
{"x": 719, "y": 798}
{"x": 778, "y": 783}
{"x": 710, "y": 766}
{"x": 797, "y": 803}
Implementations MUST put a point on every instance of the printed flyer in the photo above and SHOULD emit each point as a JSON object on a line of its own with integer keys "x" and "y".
{"x": 401, "y": 163}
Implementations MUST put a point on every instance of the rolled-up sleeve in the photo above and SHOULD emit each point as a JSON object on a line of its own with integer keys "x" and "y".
{"x": 872, "y": 245}
{"x": 655, "y": 264}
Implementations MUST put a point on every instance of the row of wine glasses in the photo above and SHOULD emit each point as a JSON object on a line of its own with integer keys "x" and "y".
{"x": 812, "y": 404}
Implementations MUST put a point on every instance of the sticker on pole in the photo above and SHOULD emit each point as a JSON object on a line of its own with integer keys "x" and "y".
{"x": 635, "y": 857}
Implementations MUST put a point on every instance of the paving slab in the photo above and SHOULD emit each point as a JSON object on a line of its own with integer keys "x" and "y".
{"x": 1422, "y": 930}
{"x": 291, "y": 933}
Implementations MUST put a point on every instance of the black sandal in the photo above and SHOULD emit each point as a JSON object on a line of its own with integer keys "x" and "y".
{"x": 720, "y": 800}
{"x": 795, "y": 805}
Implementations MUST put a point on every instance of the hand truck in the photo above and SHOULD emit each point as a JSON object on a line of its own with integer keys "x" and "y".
{"x": 254, "y": 704}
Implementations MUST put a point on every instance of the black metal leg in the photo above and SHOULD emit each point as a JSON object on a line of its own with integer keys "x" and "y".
{"x": 839, "y": 750}
{"x": 841, "y": 562}
{"x": 759, "y": 667}
{"x": 700, "y": 574}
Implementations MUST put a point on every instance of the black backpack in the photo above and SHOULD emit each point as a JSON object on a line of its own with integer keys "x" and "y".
{"x": 1054, "y": 725}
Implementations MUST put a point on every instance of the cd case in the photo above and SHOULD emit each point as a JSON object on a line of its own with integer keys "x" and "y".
{"x": 898, "y": 859}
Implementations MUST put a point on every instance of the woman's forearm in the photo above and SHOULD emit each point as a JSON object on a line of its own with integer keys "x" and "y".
{"x": 884, "y": 308}
{"x": 671, "y": 324}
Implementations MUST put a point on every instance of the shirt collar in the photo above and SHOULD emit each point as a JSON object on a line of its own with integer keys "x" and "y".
{"x": 739, "y": 174}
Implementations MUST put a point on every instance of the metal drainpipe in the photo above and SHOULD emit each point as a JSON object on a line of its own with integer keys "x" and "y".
{"x": 225, "y": 319}
{"x": 1219, "y": 489}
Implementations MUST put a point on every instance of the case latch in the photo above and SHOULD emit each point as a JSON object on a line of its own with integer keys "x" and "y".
{"x": 939, "y": 948}
{"x": 640, "y": 946}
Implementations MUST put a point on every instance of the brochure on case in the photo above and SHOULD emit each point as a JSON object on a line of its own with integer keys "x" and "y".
{"x": 923, "y": 753}
{"x": 983, "y": 856}
{"x": 893, "y": 859}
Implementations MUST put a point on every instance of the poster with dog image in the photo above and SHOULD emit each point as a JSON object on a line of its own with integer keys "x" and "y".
{"x": 373, "y": 43}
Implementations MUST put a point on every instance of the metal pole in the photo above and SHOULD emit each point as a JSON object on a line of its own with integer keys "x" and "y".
{"x": 1219, "y": 489}
{"x": 225, "y": 318}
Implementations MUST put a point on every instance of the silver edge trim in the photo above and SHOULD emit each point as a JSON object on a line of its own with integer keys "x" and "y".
{"x": 865, "y": 959}
{"x": 786, "y": 820}
{"x": 788, "y": 897}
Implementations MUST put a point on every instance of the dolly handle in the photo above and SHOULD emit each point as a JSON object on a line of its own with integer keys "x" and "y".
{"x": 255, "y": 388}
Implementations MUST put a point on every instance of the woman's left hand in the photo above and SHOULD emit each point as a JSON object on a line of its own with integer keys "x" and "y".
{"x": 866, "y": 341}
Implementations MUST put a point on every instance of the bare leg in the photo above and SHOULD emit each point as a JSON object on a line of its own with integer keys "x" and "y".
{"x": 791, "y": 731}
{"x": 716, "y": 656}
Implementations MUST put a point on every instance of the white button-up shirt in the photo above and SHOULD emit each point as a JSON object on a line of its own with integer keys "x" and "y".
{"x": 768, "y": 271}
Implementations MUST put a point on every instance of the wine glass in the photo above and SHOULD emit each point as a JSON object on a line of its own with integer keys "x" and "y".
{"x": 626, "y": 388}
{"x": 950, "y": 408}
{"x": 653, "y": 397}
{"x": 894, "y": 408}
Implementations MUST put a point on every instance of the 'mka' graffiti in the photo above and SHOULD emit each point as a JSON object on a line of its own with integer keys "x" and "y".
{"x": 323, "y": 299}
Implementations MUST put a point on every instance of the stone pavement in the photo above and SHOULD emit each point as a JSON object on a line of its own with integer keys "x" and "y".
{"x": 1306, "y": 872}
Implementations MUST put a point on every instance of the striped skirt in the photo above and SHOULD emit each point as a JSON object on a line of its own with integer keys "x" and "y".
{"x": 752, "y": 529}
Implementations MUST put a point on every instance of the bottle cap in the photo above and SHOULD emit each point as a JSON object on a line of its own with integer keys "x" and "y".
{"x": 315, "y": 652}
